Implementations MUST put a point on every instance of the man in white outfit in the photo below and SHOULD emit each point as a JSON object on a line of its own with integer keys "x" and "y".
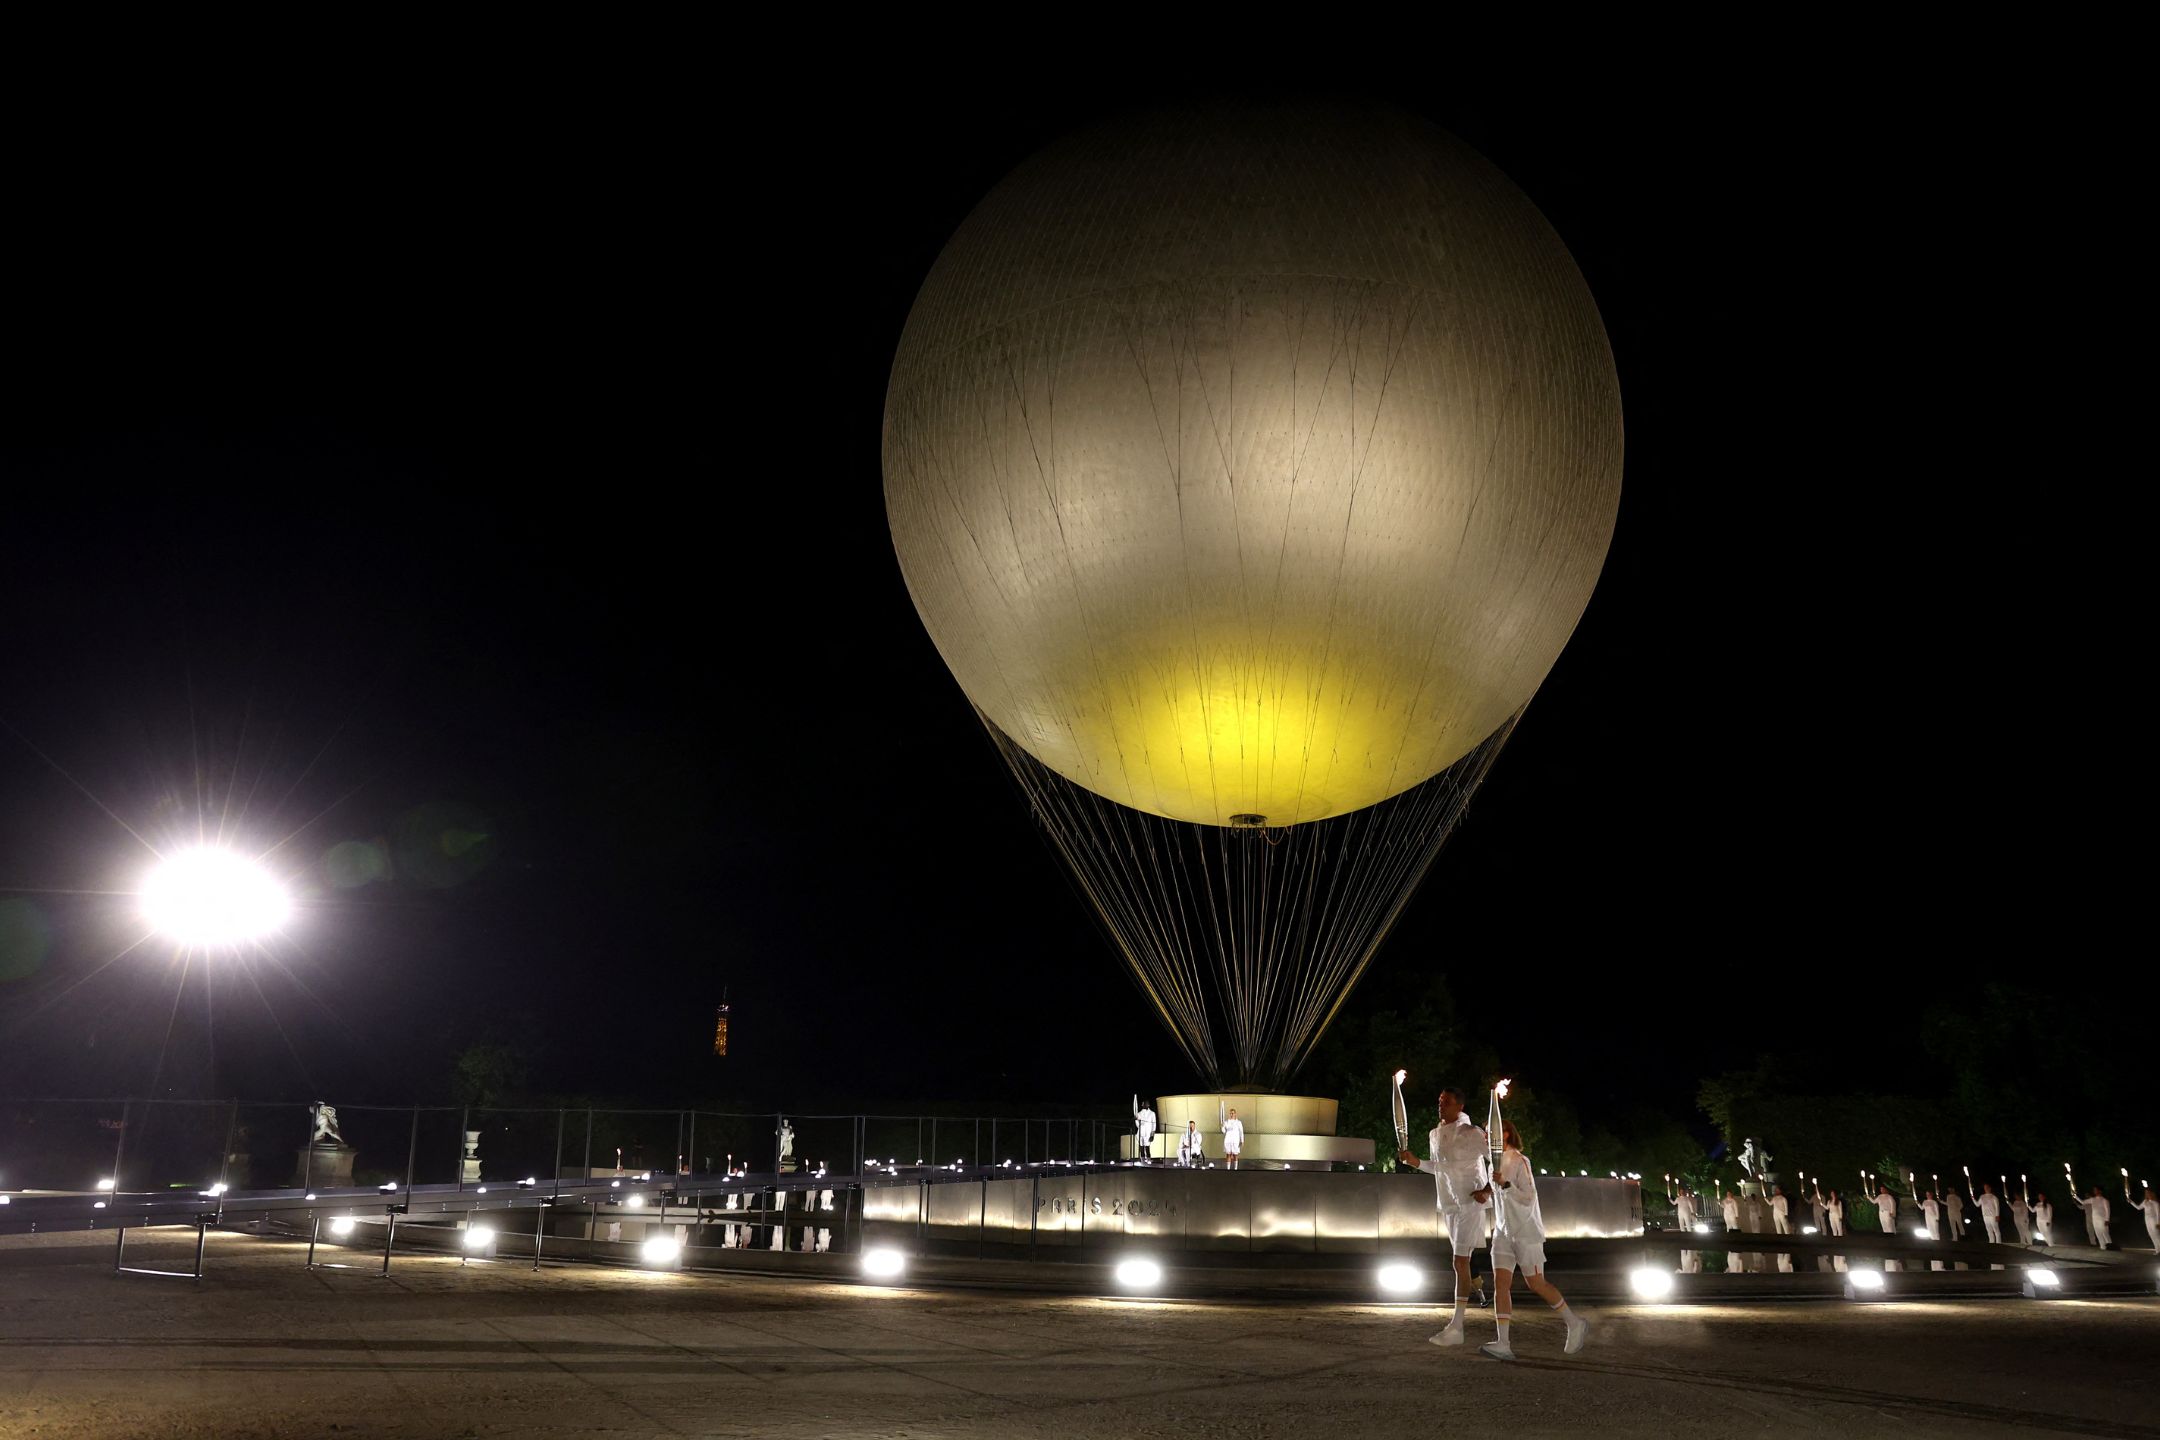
{"x": 1233, "y": 1136}
{"x": 2043, "y": 1220}
{"x": 2150, "y": 1209}
{"x": 1730, "y": 1204}
{"x": 1886, "y": 1216}
{"x": 2097, "y": 1210}
{"x": 1190, "y": 1147}
{"x": 1143, "y": 1119}
{"x": 1931, "y": 1216}
{"x": 1684, "y": 1217}
{"x": 1461, "y": 1165}
{"x": 1990, "y": 1208}
{"x": 2021, "y": 1215}
{"x": 1954, "y": 1213}
{"x": 1781, "y": 1224}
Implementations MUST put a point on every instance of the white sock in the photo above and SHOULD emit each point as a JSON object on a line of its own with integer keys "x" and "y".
{"x": 1562, "y": 1311}
{"x": 1460, "y": 1305}
{"x": 1503, "y": 1329}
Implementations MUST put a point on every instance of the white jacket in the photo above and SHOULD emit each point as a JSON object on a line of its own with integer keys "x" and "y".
{"x": 1460, "y": 1163}
{"x": 1515, "y": 1213}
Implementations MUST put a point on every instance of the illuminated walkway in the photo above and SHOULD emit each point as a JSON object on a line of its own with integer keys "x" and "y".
{"x": 263, "y": 1347}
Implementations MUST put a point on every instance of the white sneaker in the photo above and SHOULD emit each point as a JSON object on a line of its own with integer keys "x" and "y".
{"x": 1450, "y": 1336}
{"x": 1497, "y": 1349}
{"x": 1578, "y": 1334}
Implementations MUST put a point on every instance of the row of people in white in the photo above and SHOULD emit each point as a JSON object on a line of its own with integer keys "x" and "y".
{"x": 1192, "y": 1145}
{"x": 1459, "y": 1157}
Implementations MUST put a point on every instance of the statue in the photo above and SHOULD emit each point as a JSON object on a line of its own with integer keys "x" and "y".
{"x": 787, "y": 1143}
{"x": 1755, "y": 1161}
{"x": 325, "y": 1124}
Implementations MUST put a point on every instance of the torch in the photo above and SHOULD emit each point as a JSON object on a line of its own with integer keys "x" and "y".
{"x": 1968, "y": 1186}
{"x": 1402, "y": 1115}
{"x": 2126, "y": 1182}
{"x": 1493, "y": 1141}
{"x": 2024, "y": 1187}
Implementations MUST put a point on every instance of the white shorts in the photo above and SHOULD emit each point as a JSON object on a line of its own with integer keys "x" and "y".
{"x": 1465, "y": 1229}
{"x": 1527, "y": 1256}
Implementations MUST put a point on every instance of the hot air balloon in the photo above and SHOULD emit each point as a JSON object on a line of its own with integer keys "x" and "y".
{"x": 1249, "y": 470}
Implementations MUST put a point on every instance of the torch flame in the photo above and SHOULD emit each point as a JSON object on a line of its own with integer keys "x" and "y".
{"x": 1401, "y": 1075}
{"x": 1501, "y": 1089}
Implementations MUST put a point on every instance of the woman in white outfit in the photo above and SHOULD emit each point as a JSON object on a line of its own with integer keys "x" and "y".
{"x": 1519, "y": 1244}
{"x": 1684, "y": 1217}
{"x": 2043, "y": 1220}
{"x": 1886, "y": 1216}
{"x": 1730, "y": 1204}
{"x": 2097, "y": 1210}
{"x": 2151, "y": 1211}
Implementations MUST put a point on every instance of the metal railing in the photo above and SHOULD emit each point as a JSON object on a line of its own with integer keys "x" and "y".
{"x": 141, "y": 1145}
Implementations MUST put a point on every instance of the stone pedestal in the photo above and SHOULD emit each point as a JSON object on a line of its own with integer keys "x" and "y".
{"x": 326, "y": 1165}
{"x": 469, "y": 1166}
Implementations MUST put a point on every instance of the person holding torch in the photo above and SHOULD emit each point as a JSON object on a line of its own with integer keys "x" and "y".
{"x": 1461, "y": 1166}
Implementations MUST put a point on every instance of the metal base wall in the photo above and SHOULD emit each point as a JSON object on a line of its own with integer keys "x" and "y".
{"x": 1255, "y": 1211}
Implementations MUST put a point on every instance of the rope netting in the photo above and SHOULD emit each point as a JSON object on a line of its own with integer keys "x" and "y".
{"x": 1247, "y": 940}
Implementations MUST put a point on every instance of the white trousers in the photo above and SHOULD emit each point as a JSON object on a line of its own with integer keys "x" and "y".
{"x": 1779, "y": 1225}
{"x": 1837, "y": 1225}
{"x": 2100, "y": 1232}
{"x": 1994, "y": 1228}
{"x": 2024, "y": 1226}
{"x": 2153, "y": 1231}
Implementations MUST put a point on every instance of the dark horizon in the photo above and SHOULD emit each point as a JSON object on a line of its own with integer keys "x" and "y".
{"x": 357, "y": 468}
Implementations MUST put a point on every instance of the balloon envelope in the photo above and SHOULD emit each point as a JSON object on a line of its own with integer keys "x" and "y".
{"x": 1252, "y": 466}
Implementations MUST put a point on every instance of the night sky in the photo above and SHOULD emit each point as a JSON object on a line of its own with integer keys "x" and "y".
{"x": 383, "y": 456}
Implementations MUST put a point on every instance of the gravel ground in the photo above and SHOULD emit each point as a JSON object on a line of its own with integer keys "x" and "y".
{"x": 263, "y": 1347}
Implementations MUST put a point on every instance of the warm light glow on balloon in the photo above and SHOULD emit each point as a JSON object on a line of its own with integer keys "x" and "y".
{"x": 210, "y": 897}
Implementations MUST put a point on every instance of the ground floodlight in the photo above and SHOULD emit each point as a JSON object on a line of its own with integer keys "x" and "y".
{"x": 1807, "y": 1230}
{"x": 1401, "y": 1279}
{"x": 479, "y": 1237}
{"x": 1920, "y": 1233}
{"x": 634, "y": 1202}
{"x": 2041, "y": 1284}
{"x": 5, "y": 1201}
{"x": 1864, "y": 1285}
{"x": 104, "y": 1185}
{"x": 214, "y": 897}
{"x": 1139, "y": 1274}
{"x": 1650, "y": 1283}
{"x": 342, "y": 1226}
{"x": 660, "y": 1250}
{"x": 1702, "y": 1228}
{"x": 883, "y": 1263}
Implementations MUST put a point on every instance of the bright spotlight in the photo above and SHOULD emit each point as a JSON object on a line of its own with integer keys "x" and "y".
{"x": 342, "y": 1226}
{"x": 2044, "y": 1278}
{"x": 1807, "y": 1229}
{"x": 1702, "y": 1228}
{"x": 213, "y": 897}
{"x": 1401, "y": 1279}
{"x": 103, "y": 1185}
{"x": 661, "y": 1250}
{"x": 1920, "y": 1233}
{"x": 1649, "y": 1284}
{"x": 1139, "y": 1274}
{"x": 479, "y": 1237}
{"x": 883, "y": 1263}
{"x": 634, "y": 1202}
{"x": 1868, "y": 1280}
